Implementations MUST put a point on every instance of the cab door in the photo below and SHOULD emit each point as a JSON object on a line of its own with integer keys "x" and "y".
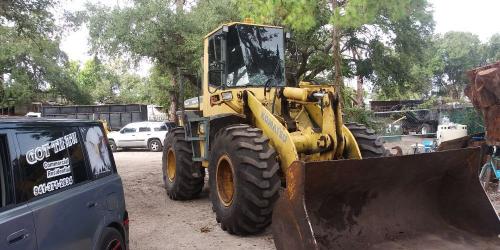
{"x": 17, "y": 230}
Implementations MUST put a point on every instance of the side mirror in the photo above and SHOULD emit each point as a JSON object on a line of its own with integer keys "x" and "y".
{"x": 122, "y": 131}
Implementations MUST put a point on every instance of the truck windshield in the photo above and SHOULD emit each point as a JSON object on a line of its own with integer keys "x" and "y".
{"x": 255, "y": 56}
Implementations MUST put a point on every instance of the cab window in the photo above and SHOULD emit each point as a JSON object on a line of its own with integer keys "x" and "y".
{"x": 51, "y": 159}
{"x": 215, "y": 60}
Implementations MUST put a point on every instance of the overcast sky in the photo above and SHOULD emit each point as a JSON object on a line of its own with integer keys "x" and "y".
{"x": 478, "y": 16}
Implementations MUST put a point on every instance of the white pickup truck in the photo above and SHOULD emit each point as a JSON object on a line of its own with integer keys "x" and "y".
{"x": 140, "y": 135}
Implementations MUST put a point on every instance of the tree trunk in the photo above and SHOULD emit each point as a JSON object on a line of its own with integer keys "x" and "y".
{"x": 179, "y": 6}
{"x": 360, "y": 91}
{"x": 172, "y": 110}
{"x": 174, "y": 97}
{"x": 359, "y": 79}
{"x": 336, "y": 53}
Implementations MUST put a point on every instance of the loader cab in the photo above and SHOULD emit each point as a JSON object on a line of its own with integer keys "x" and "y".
{"x": 240, "y": 55}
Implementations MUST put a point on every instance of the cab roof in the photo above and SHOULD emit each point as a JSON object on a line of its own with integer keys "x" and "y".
{"x": 236, "y": 23}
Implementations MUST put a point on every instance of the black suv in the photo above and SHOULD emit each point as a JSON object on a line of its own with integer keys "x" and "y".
{"x": 59, "y": 188}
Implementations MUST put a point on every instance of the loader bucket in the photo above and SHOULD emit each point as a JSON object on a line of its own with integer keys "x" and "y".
{"x": 425, "y": 201}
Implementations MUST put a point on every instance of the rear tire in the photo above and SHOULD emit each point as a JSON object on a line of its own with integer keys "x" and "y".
{"x": 154, "y": 145}
{"x": 112, "y": 145}
{"x": 177, "y": 163}
{"x": 111, "y": 239}
{"x": 370, "y": 144}
{"x": 243, "y": 179}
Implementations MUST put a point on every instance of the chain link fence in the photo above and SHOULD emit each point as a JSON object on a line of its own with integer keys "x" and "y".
{"x": 425, "y": 121}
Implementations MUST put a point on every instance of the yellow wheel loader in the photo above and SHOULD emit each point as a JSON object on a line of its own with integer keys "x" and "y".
{"x": 256, "y": 135}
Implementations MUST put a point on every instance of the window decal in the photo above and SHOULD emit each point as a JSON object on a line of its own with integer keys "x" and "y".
{"x": 97, "y": 151}
{"x": 49, "y": 161}
{"x": 40, "y": 153}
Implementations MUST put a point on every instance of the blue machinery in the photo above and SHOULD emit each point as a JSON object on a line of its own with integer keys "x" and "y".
{"x": 491, "y": 165}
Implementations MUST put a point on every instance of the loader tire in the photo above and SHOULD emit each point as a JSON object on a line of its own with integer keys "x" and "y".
{"x": 370, "y": 144}
{"x": 180, "y": 181}
{"x": 244, "y": 181}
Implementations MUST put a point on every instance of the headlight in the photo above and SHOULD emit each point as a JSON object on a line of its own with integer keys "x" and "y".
{"x": 227, "y": 96}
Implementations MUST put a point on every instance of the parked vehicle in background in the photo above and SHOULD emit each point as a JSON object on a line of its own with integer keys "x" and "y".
{"x": 59, "y": 188}
{"x": 117, "y": 115}
{"x": 34, "y": 114}
{"x": 148, "y": 135}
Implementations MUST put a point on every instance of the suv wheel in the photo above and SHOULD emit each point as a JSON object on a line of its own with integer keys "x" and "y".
{"x": 111, "y": 239}
{"x": 155, "y": 145}
{"x": 112, "y": 145}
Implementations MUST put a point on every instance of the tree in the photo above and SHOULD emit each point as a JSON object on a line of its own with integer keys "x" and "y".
{"x": 160, "y": 31}
{"x": 319, "y": 27}
{"x": 110, "y": 83}
{"x": 456, "y": 52}
{"x": 31, "y": 62}
{"x": 492, "y": 52}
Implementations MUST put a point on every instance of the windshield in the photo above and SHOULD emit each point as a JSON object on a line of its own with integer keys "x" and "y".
{"x": 255, "y": 56}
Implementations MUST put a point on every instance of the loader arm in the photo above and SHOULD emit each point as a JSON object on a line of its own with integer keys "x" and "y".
{"x": 332, "y": 140}
{"x": 274, "y": 130}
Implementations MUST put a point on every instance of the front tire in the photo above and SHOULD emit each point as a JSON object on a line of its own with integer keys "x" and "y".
{"x": 369, "y": 143}
{"x": 243, "y": 179}
{"x": 179, "y": 179}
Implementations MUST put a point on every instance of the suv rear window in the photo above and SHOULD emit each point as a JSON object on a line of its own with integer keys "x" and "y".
{"x": 51, "y": 159}
{"x": 144, "y": 129}
{"x": 161, "y": 128}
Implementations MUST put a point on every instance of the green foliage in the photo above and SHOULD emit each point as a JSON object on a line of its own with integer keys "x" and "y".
{"x": 111, "y": 83}
{"x": 30, "y": 17}
{"x": 31, "y": 63}
{"x": 492, "y": 50}
{"x": 467, "y": 116}
{"x": 363, "y": 116}
{"x": 153, "y": 29}
{"x": 456, "y": 52}
{"x": 387, "y": 42}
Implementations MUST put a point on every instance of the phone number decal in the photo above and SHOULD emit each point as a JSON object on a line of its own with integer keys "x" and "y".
{"x": 52, "y": 185}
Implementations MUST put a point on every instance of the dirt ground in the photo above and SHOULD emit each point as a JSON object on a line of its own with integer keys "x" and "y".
{"x": 156, "y": 222}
